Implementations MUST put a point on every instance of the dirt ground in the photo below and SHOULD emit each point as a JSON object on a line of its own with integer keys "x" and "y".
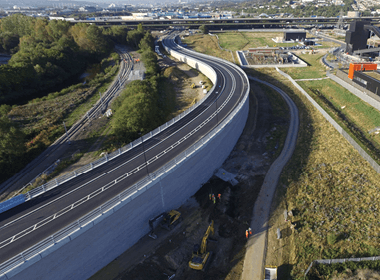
{"x": 167, "y": 257}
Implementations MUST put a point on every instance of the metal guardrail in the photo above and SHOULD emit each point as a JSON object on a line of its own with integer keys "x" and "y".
{"x": 109, "y": 205}
{"x": 112, "y": 183}
{"x": 64, "y": 178}
{"x": 331, "y": 261}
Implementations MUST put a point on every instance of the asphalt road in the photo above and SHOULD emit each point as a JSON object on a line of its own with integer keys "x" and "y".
{"x": 158, "y": 151}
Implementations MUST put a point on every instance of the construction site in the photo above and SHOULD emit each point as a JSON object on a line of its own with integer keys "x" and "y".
{"x": 269, "y": 57}
{"x": 206, "y": 237}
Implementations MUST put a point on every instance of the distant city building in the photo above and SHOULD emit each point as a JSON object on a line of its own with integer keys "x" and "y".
{"x": 353, "y": 14}
{"x": 88, "y": 9}
{"x": 338, "y": 2}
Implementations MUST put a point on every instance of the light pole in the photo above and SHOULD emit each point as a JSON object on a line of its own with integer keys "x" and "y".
{"x": 216, "y": 105}
{"x": 143, "y": 146}
{"x": 67, "y": 135}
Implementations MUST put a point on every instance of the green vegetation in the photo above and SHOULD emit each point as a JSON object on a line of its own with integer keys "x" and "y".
{"x": 235, "y": 41}
{"x": 207, "y": 44}
{"x": 354, "y": 115}
{"x": 143, "y": 105}
{"x": 269, "y": 7}
{"x": 315, "y": 68}
{"x": 41, "y": 119}
{"x": 321, "y": 271}
{"x": 45, "y": 54}
{"x": 11, "y": 144}
{"x": 204, "y": 29}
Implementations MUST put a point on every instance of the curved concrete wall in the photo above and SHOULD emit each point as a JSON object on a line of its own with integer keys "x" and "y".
{"x": 83, "y": 253}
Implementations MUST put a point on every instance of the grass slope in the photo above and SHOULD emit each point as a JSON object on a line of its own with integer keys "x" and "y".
{"x": 331, "y": 191}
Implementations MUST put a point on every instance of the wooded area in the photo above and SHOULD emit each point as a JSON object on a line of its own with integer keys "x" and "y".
{"x": 143, "y": 105}
{"x": 47, "y": 53}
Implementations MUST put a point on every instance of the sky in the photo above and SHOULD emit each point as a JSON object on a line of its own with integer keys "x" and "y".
{"x": 39, "y": 3}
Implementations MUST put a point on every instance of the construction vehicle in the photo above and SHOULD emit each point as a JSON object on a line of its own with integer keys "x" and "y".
{"x": 192, "y": 85}
{"x": 200, "y": 256}
{"x": 270, "y": 273}
{"x": 169, "y": 221}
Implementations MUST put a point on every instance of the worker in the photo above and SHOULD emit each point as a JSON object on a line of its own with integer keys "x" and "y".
{"x": 214, "y": 200}
{"x": 250, "y": 231}
{"x": 210, "y": 196}
{"x": 246, "y": 233}
{"x": 219, "y": 196}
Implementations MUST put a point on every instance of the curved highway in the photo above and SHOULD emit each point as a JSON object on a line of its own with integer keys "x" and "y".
{"x": 31, "y": 222}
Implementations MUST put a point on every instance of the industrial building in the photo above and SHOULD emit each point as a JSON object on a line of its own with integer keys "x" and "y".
{"x": 295, "y": 36}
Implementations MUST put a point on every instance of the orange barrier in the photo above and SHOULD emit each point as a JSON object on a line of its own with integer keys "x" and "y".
{"x": 360, "y": 67}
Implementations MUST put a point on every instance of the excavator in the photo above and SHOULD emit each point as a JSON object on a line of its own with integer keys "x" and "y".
{"x": 200, "y": 256}
{"x": 169, "y": 221}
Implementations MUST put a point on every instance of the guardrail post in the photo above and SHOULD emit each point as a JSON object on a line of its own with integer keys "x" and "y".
{"x": 92, "y": 166}
{"x": 75, "y": 173}
{"x": 106, "y": 157}
{"x": 119, "y": 151}
{"x": 56, "y": 182}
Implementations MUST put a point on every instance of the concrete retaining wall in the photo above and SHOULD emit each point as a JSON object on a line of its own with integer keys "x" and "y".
{"x": 94, "y": 246}
{"x": 205, "y": 69}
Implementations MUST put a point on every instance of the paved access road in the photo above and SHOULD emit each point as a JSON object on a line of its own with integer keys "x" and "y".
{"x": 256, "y": 245}
{"x": 157, "y": 151}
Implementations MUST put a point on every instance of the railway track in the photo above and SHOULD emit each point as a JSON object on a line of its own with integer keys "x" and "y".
{"x": 47, "y": 158}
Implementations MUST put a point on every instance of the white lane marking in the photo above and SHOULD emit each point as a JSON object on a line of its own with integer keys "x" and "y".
{"x": 39, "y": 208}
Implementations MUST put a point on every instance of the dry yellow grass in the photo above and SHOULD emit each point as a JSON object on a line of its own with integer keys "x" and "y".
{"x": 208, "y": 45}
{"x": 358, "y": 275}
{"x": 332, "y": 191}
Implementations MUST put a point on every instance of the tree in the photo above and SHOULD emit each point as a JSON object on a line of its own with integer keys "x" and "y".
{"x": 9, "y": 42}
{"x": 134, "y": 36}
{"x": 147, "y": 42}
{"x": 138, "y": 113}
{"x": 204, "y": 29}
{"x": 149, "y": 58}
{"x": 11, "y": 144}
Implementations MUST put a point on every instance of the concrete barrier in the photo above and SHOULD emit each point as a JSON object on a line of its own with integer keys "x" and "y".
{"x": 95, "y": 245}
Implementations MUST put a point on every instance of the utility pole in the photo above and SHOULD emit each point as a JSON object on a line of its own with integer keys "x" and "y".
{"x": 143, "y": 146}
{"x": 67, "y": 135}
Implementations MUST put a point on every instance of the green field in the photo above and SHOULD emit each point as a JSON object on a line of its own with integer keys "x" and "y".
{"x": 235, "y": 41}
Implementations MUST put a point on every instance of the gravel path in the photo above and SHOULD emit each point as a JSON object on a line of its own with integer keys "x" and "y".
{"x": 256, "y": 245}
